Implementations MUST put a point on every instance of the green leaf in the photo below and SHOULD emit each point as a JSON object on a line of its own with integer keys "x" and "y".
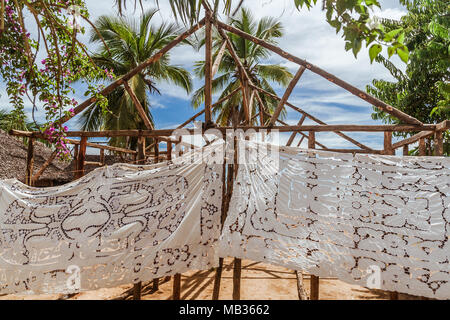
{"x": 391, "y": 34}
{"x": 356, "y": 46}
{"x": 391, "y": 51}
{"x": 403, "y": 53}
{"x": 374, "y": 51}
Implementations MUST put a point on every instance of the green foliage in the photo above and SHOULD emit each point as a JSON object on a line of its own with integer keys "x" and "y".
{"x": 251, "y": 55}
{"x": 423, "y": 91}
{"x": 126, "y": 43}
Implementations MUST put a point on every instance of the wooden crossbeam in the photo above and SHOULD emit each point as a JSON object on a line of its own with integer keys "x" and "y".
{"x": 361, "y": 94}
{"x": 412, "y": 139}
{"x": 359, "y": 144}
{"x": 102, "y": 147}
{"x": 286, "y": 95}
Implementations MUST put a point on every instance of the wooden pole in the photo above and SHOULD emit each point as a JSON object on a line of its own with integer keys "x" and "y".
{"x": 361, "y": 94}
{"x": 137, "y": 289}
{"x": 102, "y": 156}
{"x": 388, "y": 149}
{"x": 138, "y": 106}
{"x": 438, "y": 143}
{"x": 208, "y": 67}
{"x": 406, "y": 150}
{"x": 312, "y": 140}
{"x": 44, "y": 166}
{"x": 292, "y": 137}
{"x": 422, "y": 147}
{"x": 286, "y": 95}
{"x": 177, "y": 287}
{"x": 300, "y": 286}
{"x": 237, "y": 279}
{"x": 81, "y": 158}
{"x": 30, "y": 162}
{"x": 314, "y": 285}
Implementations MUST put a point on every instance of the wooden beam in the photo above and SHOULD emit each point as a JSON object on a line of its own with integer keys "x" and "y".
{"x": 412, "y": 139}
{"x": 138, "y": 106}
{"x": 443, "y": 126}
{"x": 237, "y": 279}
{"x": 361, "y": 94}
{"x": 30, "y": 162}
{"x": 44, "y": 166}
{"x": 208, "y": 67}
{"x": 292, "y": 137}
{"x": 136, "y": 70}
{"x": 344, "y": 136}
{"x": 102, "y": 147}
{"x": 102, "y": 156}
{"x": 81, "y": 158}
{"x": 137, "y": 288}
{"x": 286, "y": 95}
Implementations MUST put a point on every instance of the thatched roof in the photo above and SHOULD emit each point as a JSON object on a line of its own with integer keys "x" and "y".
{"x": 13, "y": 161}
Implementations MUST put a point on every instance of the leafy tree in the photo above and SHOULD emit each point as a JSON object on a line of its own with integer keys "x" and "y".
{"x": 251, "y": 55}
{"x": 423, "y": 91}
{"x": 124, "y": 45}
{"x": 66, "y": 59}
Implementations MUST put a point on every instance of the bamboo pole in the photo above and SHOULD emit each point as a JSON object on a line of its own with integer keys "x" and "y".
{"x": 136, "y": 70}
{"x": 361, "y": 94}
{"x": 286, "y": 95}
{"x": 30, "y": 162}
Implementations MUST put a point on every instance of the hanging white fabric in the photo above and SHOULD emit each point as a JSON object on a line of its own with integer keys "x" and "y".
{"x": 377, "y": 221}
{"x": 117, "y": 225}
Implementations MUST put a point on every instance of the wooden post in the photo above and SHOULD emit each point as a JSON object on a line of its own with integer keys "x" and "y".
{"x": 237, "y": 279}
{"x": 312, "y": 140}
{"x": 30, "y": 162}
{"x": 81, "y": 158}
{"x": 75, "y": 160}
{"x": 438, "y": 143}
{"x": 177, "y": 286}
{"x": 314, "y": 285}
{"x": 422, "y": 147}
{"x": 388, "y": 149}
{"x": 102, "y": 156}
{"x": 137, "y": 288}
{"x": 300, "y": 286}
{"x": 405, "y": 150}
{"x": 208, "y": 67}
{"x": 141, "y": 150}
{"x": 157, "y": 150}
{"x": 169, "y": 150}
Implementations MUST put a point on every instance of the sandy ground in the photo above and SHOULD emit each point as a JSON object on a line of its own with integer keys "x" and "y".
{"x": 259, "y": 281}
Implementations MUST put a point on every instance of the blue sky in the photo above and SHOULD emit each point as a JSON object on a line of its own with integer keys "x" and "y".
{"x": 308, "y": 36}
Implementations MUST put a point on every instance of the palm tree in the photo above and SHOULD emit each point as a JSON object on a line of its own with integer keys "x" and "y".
{"x": 251, "y": 55}
{"x": 125, "y": 44}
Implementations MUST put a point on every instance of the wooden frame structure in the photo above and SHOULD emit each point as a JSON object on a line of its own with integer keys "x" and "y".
{"x": 251, "y": 95}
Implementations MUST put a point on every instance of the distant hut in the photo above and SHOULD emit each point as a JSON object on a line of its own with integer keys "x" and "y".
{"x": 13, "y": 162}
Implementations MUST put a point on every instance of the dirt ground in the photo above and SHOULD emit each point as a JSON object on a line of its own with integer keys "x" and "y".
{"x": 259, "y": 281}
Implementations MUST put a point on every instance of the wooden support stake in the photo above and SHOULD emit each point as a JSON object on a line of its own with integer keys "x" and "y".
{"x": 177, "y": 287}
{"x": 300, "y": 286}
{"x": 30, "y": 162}
{"x": 314, "y": 285}
{"x": 286, "y": 95}
{"x": 137, "y": 288}
{"x": 81, "y": 158}
{"x": 141, "y": 150}
{"x": 102, "y": 156}
{"x": 312, "y": 140}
